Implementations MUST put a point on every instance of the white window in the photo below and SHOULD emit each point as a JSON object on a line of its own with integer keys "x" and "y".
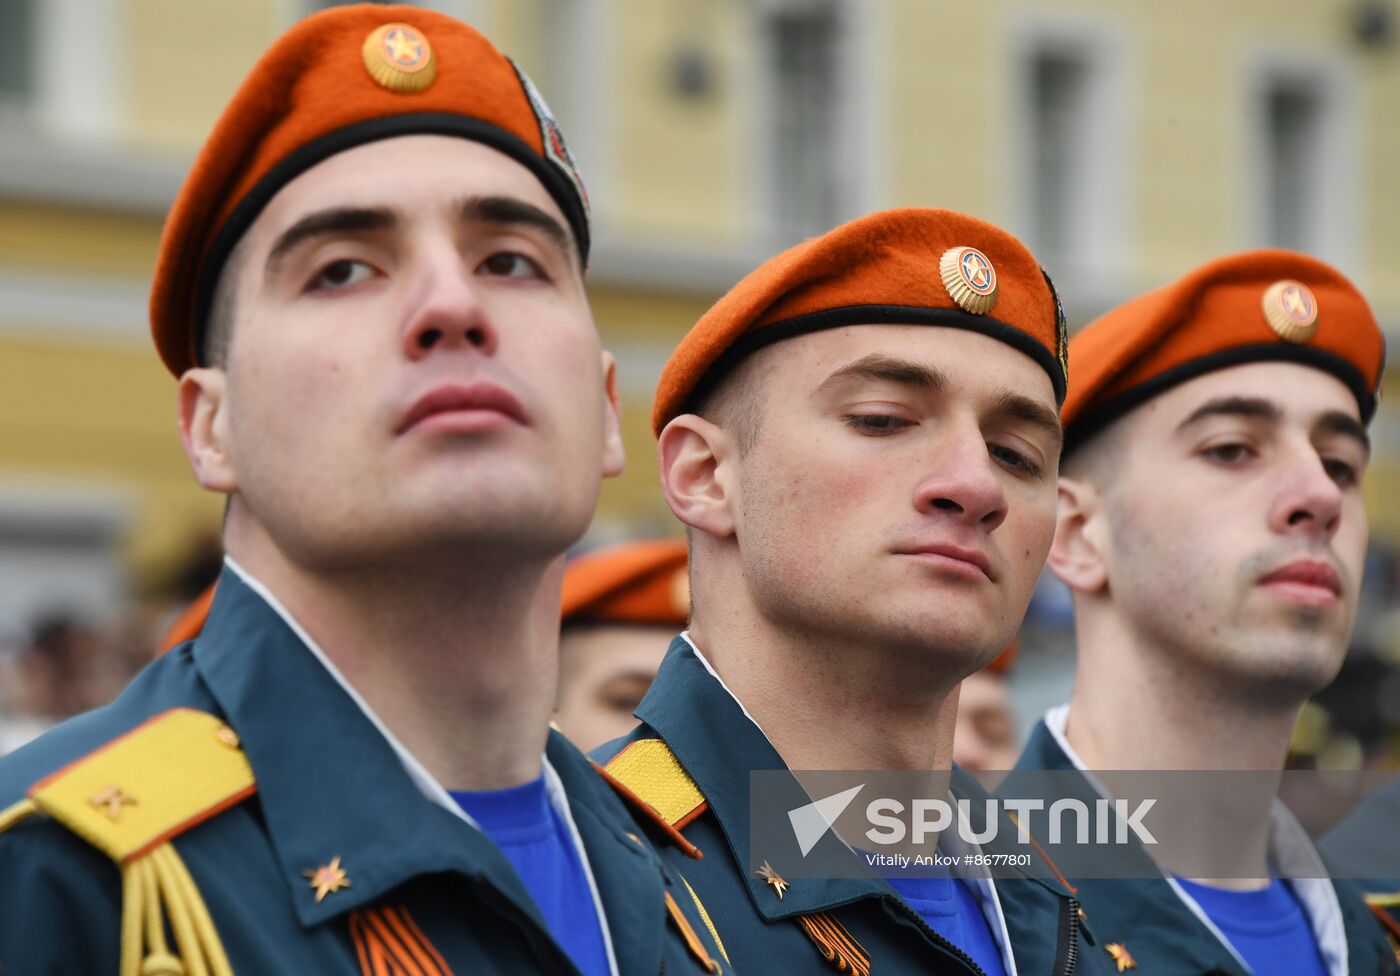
{"x": 1068, "y": 151}
{"x": 814, "y": 109}
{"x": 1302, "y": 154}
{"x": 72, "y": 94}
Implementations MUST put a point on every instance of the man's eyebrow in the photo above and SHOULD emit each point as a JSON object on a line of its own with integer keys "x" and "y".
{"x": 507, "y": 211}
{"x": 889, "y": 370}
{"x": 1249, "y": 408}
{"x": 1032, "y": 412}
{"x": 320, "y": 223}
{"x": 1344, "y": 425}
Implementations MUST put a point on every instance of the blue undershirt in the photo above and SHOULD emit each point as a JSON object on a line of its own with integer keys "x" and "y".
{"x": 950, "y": 908}
{"x": 536, "y": 841}
{"x": 1268, "y": 928}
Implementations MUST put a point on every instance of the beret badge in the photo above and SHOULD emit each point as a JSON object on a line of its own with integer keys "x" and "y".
{"x": 399, "y": 58}
{"x": 1290, "y": 308}
{"x": 971, "y": 280}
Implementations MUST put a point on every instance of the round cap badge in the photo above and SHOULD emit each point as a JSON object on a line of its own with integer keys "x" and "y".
{"x": 970, "y": 279}
{"x": 1290, "y": 308}
{"x": 399, "y": 58}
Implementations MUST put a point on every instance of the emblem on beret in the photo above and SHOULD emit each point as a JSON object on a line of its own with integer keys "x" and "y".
{"x": 1290, "y": 308}
{"x": 399, "y": 58}
{"x": 970, "y": 279}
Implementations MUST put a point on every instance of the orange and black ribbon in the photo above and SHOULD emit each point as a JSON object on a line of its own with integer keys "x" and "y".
{"x": 389, "y": 943}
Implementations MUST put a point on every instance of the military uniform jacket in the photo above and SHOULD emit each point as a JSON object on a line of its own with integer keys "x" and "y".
{"x": 321, "y": 856}
{"x": 692, "y": 756}
{"x": 1158, "y": 927}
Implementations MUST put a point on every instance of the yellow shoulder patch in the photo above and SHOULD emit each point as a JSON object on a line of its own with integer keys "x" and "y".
{"x": 649, "y": 769}
{"x": 128, "y": 799}
{"x": 150, "y": 785}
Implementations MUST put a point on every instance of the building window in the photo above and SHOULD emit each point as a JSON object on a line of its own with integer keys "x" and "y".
{"x": 800, "y": 44}
{"x": 1292, "y": 123}
{"x": 1067, "y": 146}
{"x": 17, "y": 33}
{"x": 1059, "y": 113}
{"x": 1302, "y": 173}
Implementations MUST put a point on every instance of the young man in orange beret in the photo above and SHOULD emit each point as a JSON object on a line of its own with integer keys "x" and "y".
{"x": 371, "y": 291}
{"x": 621, "y": 608}
{"x": 1212, "y": 532}
{"x": 862, "y": 439}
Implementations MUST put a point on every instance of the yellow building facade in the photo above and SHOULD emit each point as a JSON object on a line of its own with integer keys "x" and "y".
{"x": 1125, "y": 140}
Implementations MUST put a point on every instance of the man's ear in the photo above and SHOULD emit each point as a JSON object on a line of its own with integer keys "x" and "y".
{"x": 204, "y": 428}
{"x": 614, "y": 457}
{"x": 1077, "y": 555}
{"x": 694, "y": 456}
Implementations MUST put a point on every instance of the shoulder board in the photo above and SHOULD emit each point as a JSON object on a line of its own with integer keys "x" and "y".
{"x": 651, "y": 779}
{"x": 651, "y": 770}
{"x": 151, "y": 784}
{"x": 128, "y": 799}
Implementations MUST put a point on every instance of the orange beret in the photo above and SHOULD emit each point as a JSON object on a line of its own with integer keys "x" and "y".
{"x": 338, "y": 79}
{"x": 636, "y": 582}
{"x": 1267, "y": 305}
{"x": 912, "y": 266}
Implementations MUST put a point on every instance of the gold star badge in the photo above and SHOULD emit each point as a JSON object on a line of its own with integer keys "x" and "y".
{"x": 766, "y": 872}
{"x": 971, "y": 280}
{"x": 111, "y": 801}
{"x": 329, "y": 879}
{"x": 400, "y": 58}
{"x": 1121, "y": 956}
{"x": 1290, "y": 308}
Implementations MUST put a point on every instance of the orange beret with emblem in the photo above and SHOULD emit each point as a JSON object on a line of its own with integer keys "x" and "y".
{"x": 911, "y": 266}
{"x": 1257, "y": 306}
{"x": 635, "y": 582}
{"x": 338, "y": 79}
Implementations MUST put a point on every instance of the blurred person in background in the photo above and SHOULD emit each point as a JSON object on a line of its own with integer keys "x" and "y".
{"x": 984, "y": 737}
{"x": 621, "y": 608}
{"x": 43, "y": 680}
{"x": 1212, "y": 530}
{"x": 371, "y": 290}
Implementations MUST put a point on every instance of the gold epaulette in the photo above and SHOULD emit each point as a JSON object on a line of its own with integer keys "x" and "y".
{"x": 652, "y": 772}
{"x": 129, "y": 799}
{"x": 649, "y": 776}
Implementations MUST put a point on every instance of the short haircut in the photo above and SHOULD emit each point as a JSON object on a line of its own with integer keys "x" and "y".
{"x": 216, "y": 336}
{"x": 1098, "y": 459}
{"x": 736, "y": 401}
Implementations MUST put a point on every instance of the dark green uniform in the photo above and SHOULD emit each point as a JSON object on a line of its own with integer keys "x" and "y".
{"x": 859, "y": 922}
{"x": 1153, "y": 925}
{"x": 422, "y": 891}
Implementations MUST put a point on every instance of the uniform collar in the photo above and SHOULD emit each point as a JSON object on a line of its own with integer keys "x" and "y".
{"x": 1049, "y": 748}
{"x": 334, "y": 783}
{"x": 687, "y": 706}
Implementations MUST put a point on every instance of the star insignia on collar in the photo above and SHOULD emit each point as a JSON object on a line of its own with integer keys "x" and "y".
{"x": 769, "y": 876}
{"x": 328, "y": 879}
{"x": 1121, "y": 956}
